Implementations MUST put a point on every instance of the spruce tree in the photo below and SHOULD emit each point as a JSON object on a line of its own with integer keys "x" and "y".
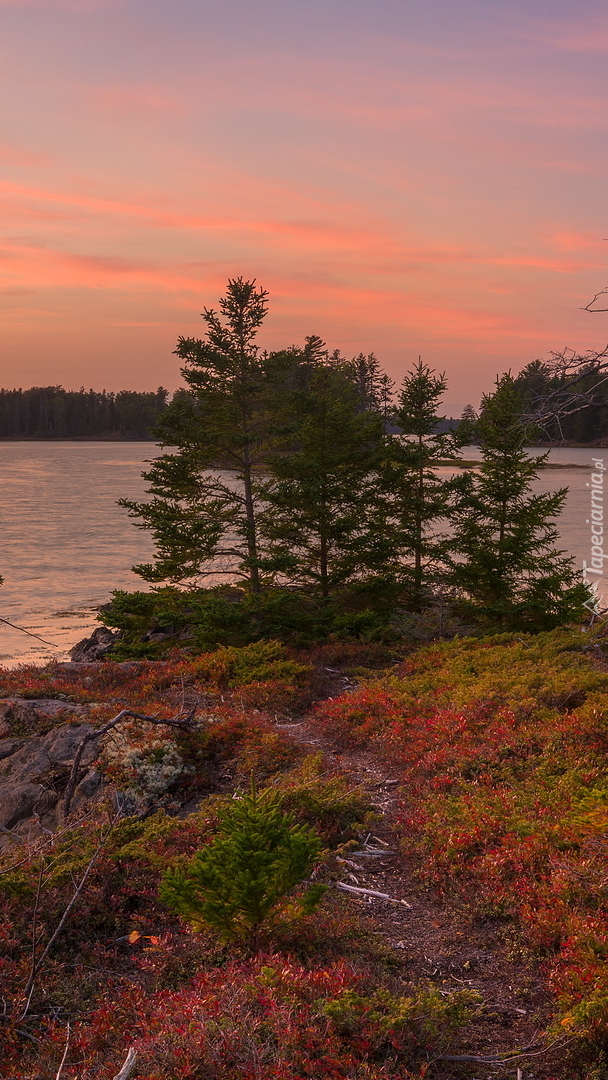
{"x": 506, "y": 568}
{"x": 420, "y": 494}
{"x": 236, "y": 883}
{"x": 323, "y": 525}
{"x": 205, "y": 492}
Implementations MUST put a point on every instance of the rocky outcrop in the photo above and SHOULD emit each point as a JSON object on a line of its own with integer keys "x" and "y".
{"x": 33, "y": 775}
{"x": 94, "y": 647}
{"x": 31, "y": 713}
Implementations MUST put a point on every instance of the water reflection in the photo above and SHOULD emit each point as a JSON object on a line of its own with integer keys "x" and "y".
{"x": 66, "y": 545}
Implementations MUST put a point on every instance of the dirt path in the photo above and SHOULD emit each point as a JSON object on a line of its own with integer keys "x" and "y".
{"x": 443, "y": 940}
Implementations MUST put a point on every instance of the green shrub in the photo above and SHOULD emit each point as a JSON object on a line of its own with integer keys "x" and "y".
{"x": 421, "y": 1022}
{"x": 261, "y": 660}
{"x": 327, "y": 802}
{"x": 239, "y": 880}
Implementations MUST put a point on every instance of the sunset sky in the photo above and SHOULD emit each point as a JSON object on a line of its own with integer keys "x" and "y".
{"x": 402, "y": 177}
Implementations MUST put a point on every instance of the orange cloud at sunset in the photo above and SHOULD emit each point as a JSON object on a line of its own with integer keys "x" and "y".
{"x": 416, "y": 182}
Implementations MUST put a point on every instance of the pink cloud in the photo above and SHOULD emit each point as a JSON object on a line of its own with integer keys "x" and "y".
{"x": 42, "y": 268}
{"x": 17, "y": 155}
{"x": 135, "y": 99}
{"x": 578, "y": 35}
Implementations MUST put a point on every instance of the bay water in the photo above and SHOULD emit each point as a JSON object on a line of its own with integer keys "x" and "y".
{"x": 65, "y": 544}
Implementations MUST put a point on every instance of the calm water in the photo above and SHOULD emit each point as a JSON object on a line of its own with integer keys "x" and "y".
{"x": 65, "y": 545}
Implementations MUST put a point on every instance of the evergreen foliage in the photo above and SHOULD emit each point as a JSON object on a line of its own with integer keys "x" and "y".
{"x": 50, "y": 412}
{"x": 418, "y": 495}
{"x": 238, "y": 881}
{"x": 284, "y": 473}
{"x": 506, "y": 568}
{"x": 321, "y": 522}
{"x": 199, "y": 515}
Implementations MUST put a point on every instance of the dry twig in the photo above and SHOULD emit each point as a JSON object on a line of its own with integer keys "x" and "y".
{"x": 128, "y": 1066}
{"x": 371, "y": 892}
{"x": 38, "y": 962}
{"x": 65, "y": 1054}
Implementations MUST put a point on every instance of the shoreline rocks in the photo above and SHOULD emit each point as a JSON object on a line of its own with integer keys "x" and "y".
{"x": 93, "y": 648}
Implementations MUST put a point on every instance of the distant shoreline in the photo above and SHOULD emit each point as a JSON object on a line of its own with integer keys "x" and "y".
{"x": 151, "y": 439}
{"x": 76, "y": 438}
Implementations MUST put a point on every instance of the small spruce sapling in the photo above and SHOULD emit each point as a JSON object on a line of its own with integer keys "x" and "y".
{"x": 239, "y": 880}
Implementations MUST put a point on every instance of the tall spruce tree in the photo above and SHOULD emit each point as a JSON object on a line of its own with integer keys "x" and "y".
{"x": 506, "y": 568}
{"x": 205, "y": 494}
{"x": 323, "y": 524}
{"x": 420, "y": 494}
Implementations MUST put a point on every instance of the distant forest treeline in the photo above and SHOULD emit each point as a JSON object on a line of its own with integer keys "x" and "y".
{"x": 50, "y": 412}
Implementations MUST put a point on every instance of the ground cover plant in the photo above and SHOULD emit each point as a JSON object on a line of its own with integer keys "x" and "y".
{"x": 502, "y": 747}
{"x": 500, "y": 743}
{"x": 93, "y": 957}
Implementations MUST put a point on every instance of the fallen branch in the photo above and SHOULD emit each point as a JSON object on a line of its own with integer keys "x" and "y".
{"x": 532, "y": 1050}
{"x": 496, "y": 1059}
{"x": 349, "y": 862}
{"x": 371, "y": 892}
{"x": 372, "y": 853}
{"x": 128, "y": 1066}
{"x": 65, "y": 1054}
{"x": 178, "y": 721}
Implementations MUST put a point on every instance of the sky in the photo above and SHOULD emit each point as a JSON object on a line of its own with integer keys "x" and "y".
{"x": 410, "y": 179}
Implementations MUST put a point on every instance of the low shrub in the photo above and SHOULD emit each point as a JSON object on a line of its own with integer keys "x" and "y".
{"x": 238, "y": 882}
{"x": 325, "y": 801}
{"x": 267, "y": 1017}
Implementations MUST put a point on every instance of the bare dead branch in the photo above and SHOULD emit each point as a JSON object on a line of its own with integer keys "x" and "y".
{"x": 65, "y": 1054}
{"x": 567, "y": 371}
{"x": 35, "y": 936}
{"x": 370, "y": 892}
{"x": 591, "y": 308}
{"x": 38, "y": 962}
{"x": 532, "y": 1050}
{"x": 128, "y": 1066}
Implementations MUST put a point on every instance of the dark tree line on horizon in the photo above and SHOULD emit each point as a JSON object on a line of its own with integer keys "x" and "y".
{"x": 50, "y": 412}
{"x": 565, "y": 398}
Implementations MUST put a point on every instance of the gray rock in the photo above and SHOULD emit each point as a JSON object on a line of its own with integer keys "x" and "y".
{"x": 9, "y": 746}
{"x": 94, "y": 647}
{"x": 21, "y": 802}
{"x": 33, "y": 775}
{"x": 29, "y": 711}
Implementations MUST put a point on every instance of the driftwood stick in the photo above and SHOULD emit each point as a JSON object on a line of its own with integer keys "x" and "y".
{"x": 65, "y": 1054}
{"x": 371, "y": 892}
{"x": 128, "y": 1066}
{"x": 372, "y": 853}
{"x": 536, "y": 1049}
{"x": 178, "y": 721}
